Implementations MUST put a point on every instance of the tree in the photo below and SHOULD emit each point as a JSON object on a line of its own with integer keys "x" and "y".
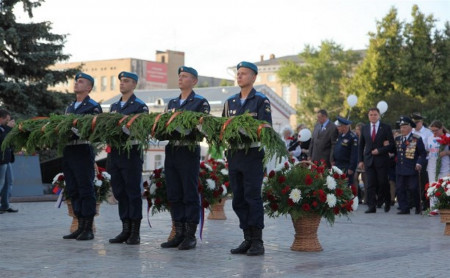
{"x": 407, "y": 67}
{"x": 320, "y": 79}
{"x": 26, "y": 52}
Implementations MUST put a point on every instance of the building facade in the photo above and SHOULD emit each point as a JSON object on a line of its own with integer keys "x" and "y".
{"x": 159, "y": 74}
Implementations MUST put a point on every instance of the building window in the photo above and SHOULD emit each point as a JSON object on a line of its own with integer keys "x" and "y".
{"x": 158, "y": 161}
{"x": 104, "y": 83}
{"x": 271, "y": 78}
{"x": 286, "y": 93}
{"x": 113, "y": 83}
{"x": 95, "y": 85}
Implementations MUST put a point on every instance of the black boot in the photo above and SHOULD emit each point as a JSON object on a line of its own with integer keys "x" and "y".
{"x": 135, "y": 237}
{"x": 257, "y": 247}
{"x": 87, "y": 233}
{"x": 178, "y": 238}
{"x": 245, "y": 245}
{"x": 77, "y": 232}
{"x": 125, "y": 234}
{"x": 189, "y": 241}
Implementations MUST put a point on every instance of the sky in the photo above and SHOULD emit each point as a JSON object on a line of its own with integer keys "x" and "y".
{"x": 217, "y": 34}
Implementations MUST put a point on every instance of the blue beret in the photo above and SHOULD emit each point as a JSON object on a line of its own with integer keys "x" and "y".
{"x": 188, "y": 70}
{"x": 406, "y": 121}
{"x": 343, "y": 121}
{"x": 85, "y": 76}
{"x": 249, "y": 65}
{"x": 131, "y": 75}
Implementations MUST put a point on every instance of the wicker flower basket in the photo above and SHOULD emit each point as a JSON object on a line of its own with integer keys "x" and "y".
{"x": 306, "y": 239}
{"x": 217, "y": 212}
{"x": 445, "y": 218}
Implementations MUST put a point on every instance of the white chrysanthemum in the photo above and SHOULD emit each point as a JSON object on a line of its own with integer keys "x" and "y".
{"x": 211, "y": 184}
{"x": 431, "y": 190}
{"x": 106, "y": 175}
{"x": 207, "y": 166}
{"x": 265, "y": 180}
{"x": 224, "y": 172}
{"x": 55, "y": 179}
{"x": 295, "y": 195}
{"x": 224, "y": 190}
{"x": 446, "y": 178}
{"x": 220, "y": 161}
{"x": 331, "y": 200}
{"x": 98, "y": 182}
{"x": 337, "y": 170}
{"x": 152, "y": 189}
{"x": 355, "y": 203}
{"x": 447, "y": 192}
{"x": 331, "y": 183}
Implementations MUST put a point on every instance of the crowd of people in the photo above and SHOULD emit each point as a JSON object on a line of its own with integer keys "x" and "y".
{"x": 389, "y": 163}
{"x": 386, "y": 165}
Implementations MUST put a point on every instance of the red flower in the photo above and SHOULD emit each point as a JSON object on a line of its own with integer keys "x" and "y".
{"x": 271, "y": 174}
{"x": 274, "y": 206}
{"x": 437, "y": 194}
{"x": 290, "y": 202}
{"x": 336, "y": 175}
{"x": 285, "y": 190}
{"x": 159, "y": 184}
{"x": 281, "y": 179}
{"x": 286, "y": 165}
{"x": 202, "y": 165}
{"x": 343, "y": 176}
{"x": 354, "y": 190}
{"x": 60, "y": 177}
{"x": 320, "y": 169}
{"x": 306, "y": 207}
{"x": 205, "y": 203}
{"x": 227, "y": 183}
{"x": 336, "y": 210}
{"x": 308, "y": 180}
{"x": 339, "y": 192}
{"x": 315, "y": 204}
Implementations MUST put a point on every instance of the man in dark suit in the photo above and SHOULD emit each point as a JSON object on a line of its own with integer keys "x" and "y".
{"x": 376, "y": 142}
{"x": 323, "y": 139}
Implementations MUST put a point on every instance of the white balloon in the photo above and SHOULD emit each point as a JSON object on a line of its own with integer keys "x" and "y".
{"x": 382, "y": 106}
{"x": 352, "y": 100}
{"x": 304, "y": 135}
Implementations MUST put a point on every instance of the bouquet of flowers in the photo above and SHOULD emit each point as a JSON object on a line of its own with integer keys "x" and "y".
{"x": 443, "y": 141}
{"x": 102, "y": 184}
{"x": 213, "y": 181}
{"x": 155, "y": 191}
{"x": 441, "y": 191}
{"x": 300, "y": 188}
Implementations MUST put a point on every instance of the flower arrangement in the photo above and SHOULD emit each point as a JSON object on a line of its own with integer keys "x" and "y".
{"x": 441, "y": 191}
{"x": 155, "y": 191}
{"x": 301, "y": 188}
{"x": 102, "y": 184}
{"x": 213, "y": 181}
{"x": 443, "y": 141}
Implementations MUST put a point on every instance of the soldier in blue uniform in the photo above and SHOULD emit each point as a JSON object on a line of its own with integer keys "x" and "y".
{"x": 246, "y": 166}
{"x": 79, "y": 160}
{"x": 346, "y": 149}
{"x": 411, "y": 156}
{"x": 182, "y": 166}
{"x": 125, "y": 166}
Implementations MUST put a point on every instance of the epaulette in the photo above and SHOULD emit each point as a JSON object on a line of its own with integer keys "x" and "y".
{"x": 93, "y": 102}
{"x": 139, "y": 101}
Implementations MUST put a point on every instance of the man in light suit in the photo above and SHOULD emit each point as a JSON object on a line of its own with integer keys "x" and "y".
{"x": 323, "y": 139}
{"x": 376, "y": 142}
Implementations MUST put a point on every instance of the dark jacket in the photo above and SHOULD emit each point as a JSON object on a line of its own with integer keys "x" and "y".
{"x": 6, "y": 156}
{"x": 366, "y": 145}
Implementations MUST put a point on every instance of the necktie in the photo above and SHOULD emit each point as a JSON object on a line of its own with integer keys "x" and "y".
{"x": 373, "y": 133}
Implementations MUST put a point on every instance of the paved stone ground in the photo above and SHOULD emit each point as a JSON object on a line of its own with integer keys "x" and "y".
{"x": 375, "y": 245}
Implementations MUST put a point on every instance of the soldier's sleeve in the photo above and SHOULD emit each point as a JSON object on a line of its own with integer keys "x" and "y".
{"x": 206, "y": 108}
{"x": 97, "y": 110}
{"x": 361, "y": 144}
{"x": 265, "y": 111}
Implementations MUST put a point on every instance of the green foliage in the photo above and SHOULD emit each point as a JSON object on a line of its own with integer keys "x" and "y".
{"x": 320, "y": 79}
{"x": 407, "y": 66}
{"x": 26, "y": 52}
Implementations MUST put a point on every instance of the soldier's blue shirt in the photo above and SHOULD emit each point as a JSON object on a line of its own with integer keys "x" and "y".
{"x": 193, "y": 102}
{"x": 409, "y": 153}
{"x": 346, "y": 150}
{"x": 87, "y": 106}
{"x": 134, "y": 105}
{"x": 256, "y": 104}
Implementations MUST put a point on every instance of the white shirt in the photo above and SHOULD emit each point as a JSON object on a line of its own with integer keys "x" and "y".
{"x": 433, "y": 146}
{"x": 425, "y": 133}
